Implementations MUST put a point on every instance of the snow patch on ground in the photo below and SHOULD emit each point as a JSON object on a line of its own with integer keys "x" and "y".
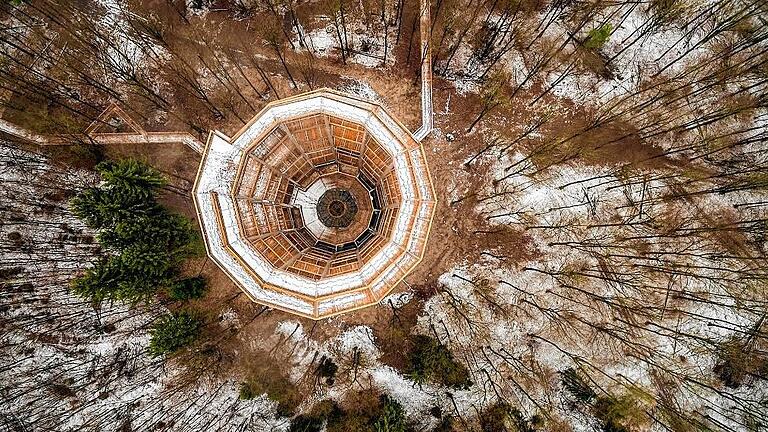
{"x": 125, "y": 53}
{"x": 324, "y": 42}
{"x": 397, "y": 300}
{"x": 637, "y": 48}
{"x": 362, "y": 90}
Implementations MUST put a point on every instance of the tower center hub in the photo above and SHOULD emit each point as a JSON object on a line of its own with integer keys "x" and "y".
{"x": 337, "y": 208}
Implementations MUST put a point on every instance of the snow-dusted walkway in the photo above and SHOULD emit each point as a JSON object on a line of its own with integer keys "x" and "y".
{"x": 427, "y": 121}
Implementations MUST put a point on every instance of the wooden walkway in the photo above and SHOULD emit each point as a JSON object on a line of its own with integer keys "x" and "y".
{"x": 91, "y": 134}
{"x": 427, "y": 113}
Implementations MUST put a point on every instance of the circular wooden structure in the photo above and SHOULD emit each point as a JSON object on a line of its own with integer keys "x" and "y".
{"x": 321, "y": 204}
